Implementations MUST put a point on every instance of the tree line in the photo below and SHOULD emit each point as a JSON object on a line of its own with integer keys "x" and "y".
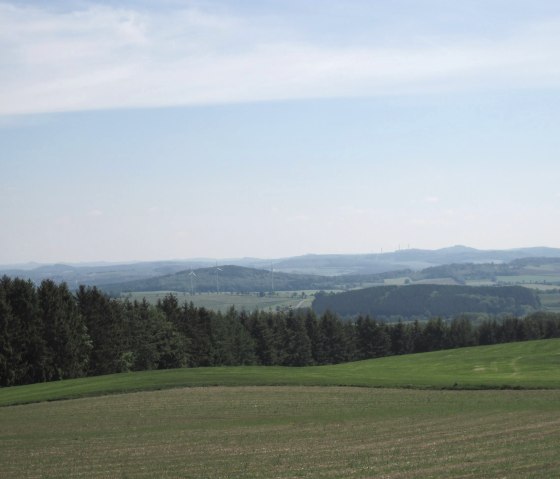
{"x": 49, "y": 333}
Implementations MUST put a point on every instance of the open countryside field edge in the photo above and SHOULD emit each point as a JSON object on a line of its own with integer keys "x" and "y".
{"x": 522, "y": 365}
{"x": 286, "y": 432}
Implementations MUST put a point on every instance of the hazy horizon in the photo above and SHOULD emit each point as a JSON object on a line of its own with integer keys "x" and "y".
{"x": 224, "y": 261}
{"x": 183, "y": 129}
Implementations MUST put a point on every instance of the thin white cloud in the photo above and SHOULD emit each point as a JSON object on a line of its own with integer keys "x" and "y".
{"x": 107, "y": 57}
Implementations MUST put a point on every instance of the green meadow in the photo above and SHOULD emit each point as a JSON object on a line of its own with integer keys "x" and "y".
{"x": 491, "y": 411}
{"x": 527, "y": 365}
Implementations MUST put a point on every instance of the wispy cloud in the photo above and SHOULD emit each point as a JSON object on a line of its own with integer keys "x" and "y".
{"x": 107, "y": 57}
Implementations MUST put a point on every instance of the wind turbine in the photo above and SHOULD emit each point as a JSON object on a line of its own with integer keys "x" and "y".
{"x": 192, "y": 274}
{"x": 272, "y": 277}
{"x": 217, "y": 282}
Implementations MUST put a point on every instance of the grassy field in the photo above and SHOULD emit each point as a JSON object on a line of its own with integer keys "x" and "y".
{"x": 531, "y": 364}
{"x": 256, "y": 422}
{"x": 222, "y": 302}
{"x": 286, "y": 432}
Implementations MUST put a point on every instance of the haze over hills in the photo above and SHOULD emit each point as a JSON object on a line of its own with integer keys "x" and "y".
{"x": 415, "y": 259}
{"x": 356, "y": 268}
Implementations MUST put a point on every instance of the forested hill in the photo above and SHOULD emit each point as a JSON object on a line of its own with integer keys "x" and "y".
{"x": 240, "y": 279}
{"x": 428, "y": 300}
{"x": 236, "y": 279}
{"x": 544, "y": 268}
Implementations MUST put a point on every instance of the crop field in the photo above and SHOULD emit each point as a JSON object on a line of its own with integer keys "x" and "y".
{"x": 223, "y": 301}
{"x": 286, "y": 432}
{"x": 274, "y": 422}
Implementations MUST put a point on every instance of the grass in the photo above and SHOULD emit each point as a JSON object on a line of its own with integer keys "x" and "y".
{"x": 531, "y": 364}
{"x": 223, "y": 426}
{"x": 287, "y": 432}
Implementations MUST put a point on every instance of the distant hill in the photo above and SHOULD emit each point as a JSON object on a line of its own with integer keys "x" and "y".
{"x": 535, "y": 269}
{"x": 357, "y": 269}
{"x": 428, "y": 300}
{"x": 414, "y": 259}
{"x": 99, "y": 275}
{"x": 230, "y": 278}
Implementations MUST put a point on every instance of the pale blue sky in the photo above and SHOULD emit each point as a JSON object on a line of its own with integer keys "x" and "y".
{"x": 154, "y": 130}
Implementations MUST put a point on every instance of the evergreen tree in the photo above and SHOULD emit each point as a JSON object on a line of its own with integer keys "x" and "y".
{"x": 262, "y": 335}
{"x": 7, "y": 374}
{"x": 297, "y": 346}
{"x": 333, "y": 347}
{"x": 373, "y": 340}
{"x": 461, "y": 333}
{"x": 434, "y": 335}
{"x": 313, "y": 333}
{"x": 27, "y": 363}
{"x": 402, "y": 341}
{"x": 168, "y": 348}
{"x": 197, "y": 324}
{"x": 106, "y": 324}
{"x": 233, "y": 345}
{"x": 511, "y": 330}
{"x": 488, "y": 332}
{"x": 67, "y": 342}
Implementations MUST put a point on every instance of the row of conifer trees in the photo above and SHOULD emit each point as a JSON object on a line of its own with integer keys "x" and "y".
{"x": 49, "y": 333}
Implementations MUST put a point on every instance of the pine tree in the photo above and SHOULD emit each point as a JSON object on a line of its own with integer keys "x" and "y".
{"x": 106, "y": 324}
{"x": 28, "y": 349}
{"x": 7, "y": 374}
{"x": 67, "y": 342}
{"x": 297, "y": 346}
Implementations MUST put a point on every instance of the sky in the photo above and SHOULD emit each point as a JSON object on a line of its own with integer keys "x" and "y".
{"x": 143, "y": 130}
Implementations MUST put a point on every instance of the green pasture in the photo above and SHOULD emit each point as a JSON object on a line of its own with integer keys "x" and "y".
{"x": 286, "y": 432}
{"x": 455, "y": 414}
{"x": 223, "y": 301}
{"x": 531, "y": 364}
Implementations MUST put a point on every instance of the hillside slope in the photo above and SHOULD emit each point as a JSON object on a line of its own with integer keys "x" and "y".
{"x": 530, "y": 364}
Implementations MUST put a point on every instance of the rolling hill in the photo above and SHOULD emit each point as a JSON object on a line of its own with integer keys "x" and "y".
{"x": 237, "y": 279}
{"x": 313, "y": 264}
{"x": 529, "y": 364}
